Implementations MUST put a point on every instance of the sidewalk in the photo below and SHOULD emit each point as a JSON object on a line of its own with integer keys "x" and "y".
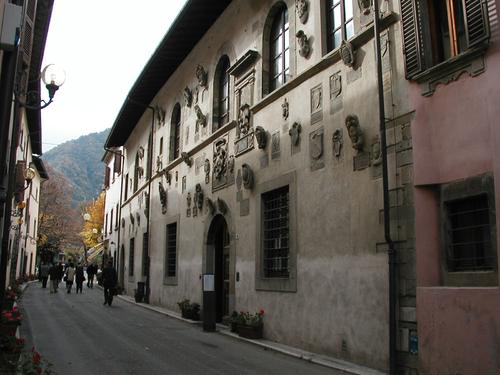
{"x": 347, "y": 367}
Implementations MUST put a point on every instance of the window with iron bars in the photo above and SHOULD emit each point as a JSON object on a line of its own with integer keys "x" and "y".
{"x": 171, "y": 255}
{"x": 276, "y": 233}
{"x": 468, "y": 230}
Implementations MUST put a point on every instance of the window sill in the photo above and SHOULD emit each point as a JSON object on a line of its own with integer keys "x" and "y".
{"x": 471, "y": 61}
{"x": 471, "y": 279}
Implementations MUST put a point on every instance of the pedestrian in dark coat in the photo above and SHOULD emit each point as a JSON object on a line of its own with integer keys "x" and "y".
{"x": 109, "y": 281}
{"x": 44, "y": 274}
{"x": 91, "y": 271}
{"x": 60, "y": 272}
{"x": 54, "y": 278}
{"x": 79, "y": 278}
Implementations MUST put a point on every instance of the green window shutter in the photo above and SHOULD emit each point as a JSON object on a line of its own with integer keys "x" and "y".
{"x": 476, "y": 22}
{"x": 412, "y": 37}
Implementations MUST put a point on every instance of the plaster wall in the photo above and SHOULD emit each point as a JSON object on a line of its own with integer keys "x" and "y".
{"x": 339, "y": 306}
{"x": 459, "y": 330}
{"x": 456, "y": 136}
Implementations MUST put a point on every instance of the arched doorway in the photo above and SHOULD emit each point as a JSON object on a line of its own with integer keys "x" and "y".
{"x": 218, "y": 263}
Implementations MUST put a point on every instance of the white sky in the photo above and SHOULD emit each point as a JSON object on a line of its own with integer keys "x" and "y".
{"x": 103, "y": 45}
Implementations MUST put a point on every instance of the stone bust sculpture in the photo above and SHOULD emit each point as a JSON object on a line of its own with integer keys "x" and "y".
{"x": 302, "y": 10}
{"x": 355, "y": 132}
{"x": 303, "y": 41}
{"x": 261, "y": 137}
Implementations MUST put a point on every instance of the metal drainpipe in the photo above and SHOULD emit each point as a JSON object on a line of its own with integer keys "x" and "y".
{"x": 385, "y": 183}
{"x": 120, "y": 154}
{"x": 150, "y": 168}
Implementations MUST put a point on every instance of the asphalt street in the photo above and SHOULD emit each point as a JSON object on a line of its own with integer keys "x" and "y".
{"x": 79, "y": 335}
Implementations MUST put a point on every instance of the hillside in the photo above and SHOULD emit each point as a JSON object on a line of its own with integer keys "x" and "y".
{"x": 80, "y": 161}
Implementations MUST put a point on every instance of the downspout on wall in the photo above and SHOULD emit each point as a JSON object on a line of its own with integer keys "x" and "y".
{"x": 385, "y": 185}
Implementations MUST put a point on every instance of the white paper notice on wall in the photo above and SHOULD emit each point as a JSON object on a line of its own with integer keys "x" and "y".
{"x": 208, "y": 283}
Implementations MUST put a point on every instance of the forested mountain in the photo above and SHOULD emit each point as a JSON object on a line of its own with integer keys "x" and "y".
{"x": 79, "y": 160}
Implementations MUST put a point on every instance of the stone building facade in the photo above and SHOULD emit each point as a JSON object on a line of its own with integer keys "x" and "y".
{"x": 252, "y": 152}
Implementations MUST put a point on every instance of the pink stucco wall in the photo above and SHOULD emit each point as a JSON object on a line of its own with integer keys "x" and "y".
{"x": 459, "y": 331}
{"x": 456, "y": 134}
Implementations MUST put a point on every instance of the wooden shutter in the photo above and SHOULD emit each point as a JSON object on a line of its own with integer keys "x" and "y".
{"x": 28, "y": 29}
{"x": 106, "y": 176}
{"x": 19, "y": 181}
{"x": 412, "y": 37}
{"x": 117, "y": 168}
{"x": 476, "y": 22}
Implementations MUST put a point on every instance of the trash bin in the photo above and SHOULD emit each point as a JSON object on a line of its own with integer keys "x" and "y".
{"x": 140, "y": 291}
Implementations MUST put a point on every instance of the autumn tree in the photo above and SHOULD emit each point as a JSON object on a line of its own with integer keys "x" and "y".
{"x": 92, "y": 227}
{"x": 58, "y": 221}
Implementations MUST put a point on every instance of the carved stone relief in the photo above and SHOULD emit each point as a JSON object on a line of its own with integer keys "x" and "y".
{"x": 123, "y": 222}
{"x": 347, "y": 54}
{"x": 159, "y": 164}
{"x": 337, "y": 141}
{"x": 138, "y": 218}
{"x": 159, "y": 115}
{"x": 168, "y": 177}
{"x": 244, "y": 131}
{"x": 163, "y": 197}
{"x": 198, "y": 197}
{"x": 202, "y": 85}
{"x": 132, "y": 218}
{"x": 302, "y": 10}
{"x": 206, "y": 169}
{"x": 376, "y": 151}
{"x": 335, "y": 85}
{"x": 247, "y": 176}
{"x": 183, "y": 184}
{"x": 285, "y": 109}
{"x": 222, "y": 206}
{"x": 336, "y": 103}
{"x": 210, "y": 206}
{"x": 275, "y": 145}
{"x": 355, "y": 132}
{"x": 294, "y": 133}
{"x": 201, "y": 119}
{"x": 220, "y": 158}
{"x": 223, "y": 164}
{"x": 304, "y": 44}
{"x": 188, "y": 203}
{"x": 364, "y": 6}
{"x": 186, "y": 159}
{"x": 188, "y": 97}
{"x": 316, "y": 149}
{"x": 316, "y": 104}
{"x": 261, "y": 137}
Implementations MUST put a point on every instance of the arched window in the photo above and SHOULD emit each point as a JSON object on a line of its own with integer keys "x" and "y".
{"x": 279, "y": 56}
{"x": 175, "y": 133}
{"x": 221, "y": 94}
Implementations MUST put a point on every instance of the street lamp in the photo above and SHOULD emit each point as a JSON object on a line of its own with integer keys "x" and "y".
{"x": 53, "y": 77}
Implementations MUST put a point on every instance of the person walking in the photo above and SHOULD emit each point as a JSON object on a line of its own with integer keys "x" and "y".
{"x": 79, "y": 278}
{"x": 91, "y": 271}
{"x": 109, "y": 280}
{"x": 44, "y": 274}
{"x": 60, "y": 273}
{"x": 69, "y": 276}
{"x": 54, "y": 278}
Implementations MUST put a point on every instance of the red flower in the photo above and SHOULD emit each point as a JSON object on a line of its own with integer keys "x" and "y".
{"x": 36, "y": 358}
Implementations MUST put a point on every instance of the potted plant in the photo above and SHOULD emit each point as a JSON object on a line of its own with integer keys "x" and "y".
{"x": 189, "y": 310}
{"x": 250, "y": 325}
